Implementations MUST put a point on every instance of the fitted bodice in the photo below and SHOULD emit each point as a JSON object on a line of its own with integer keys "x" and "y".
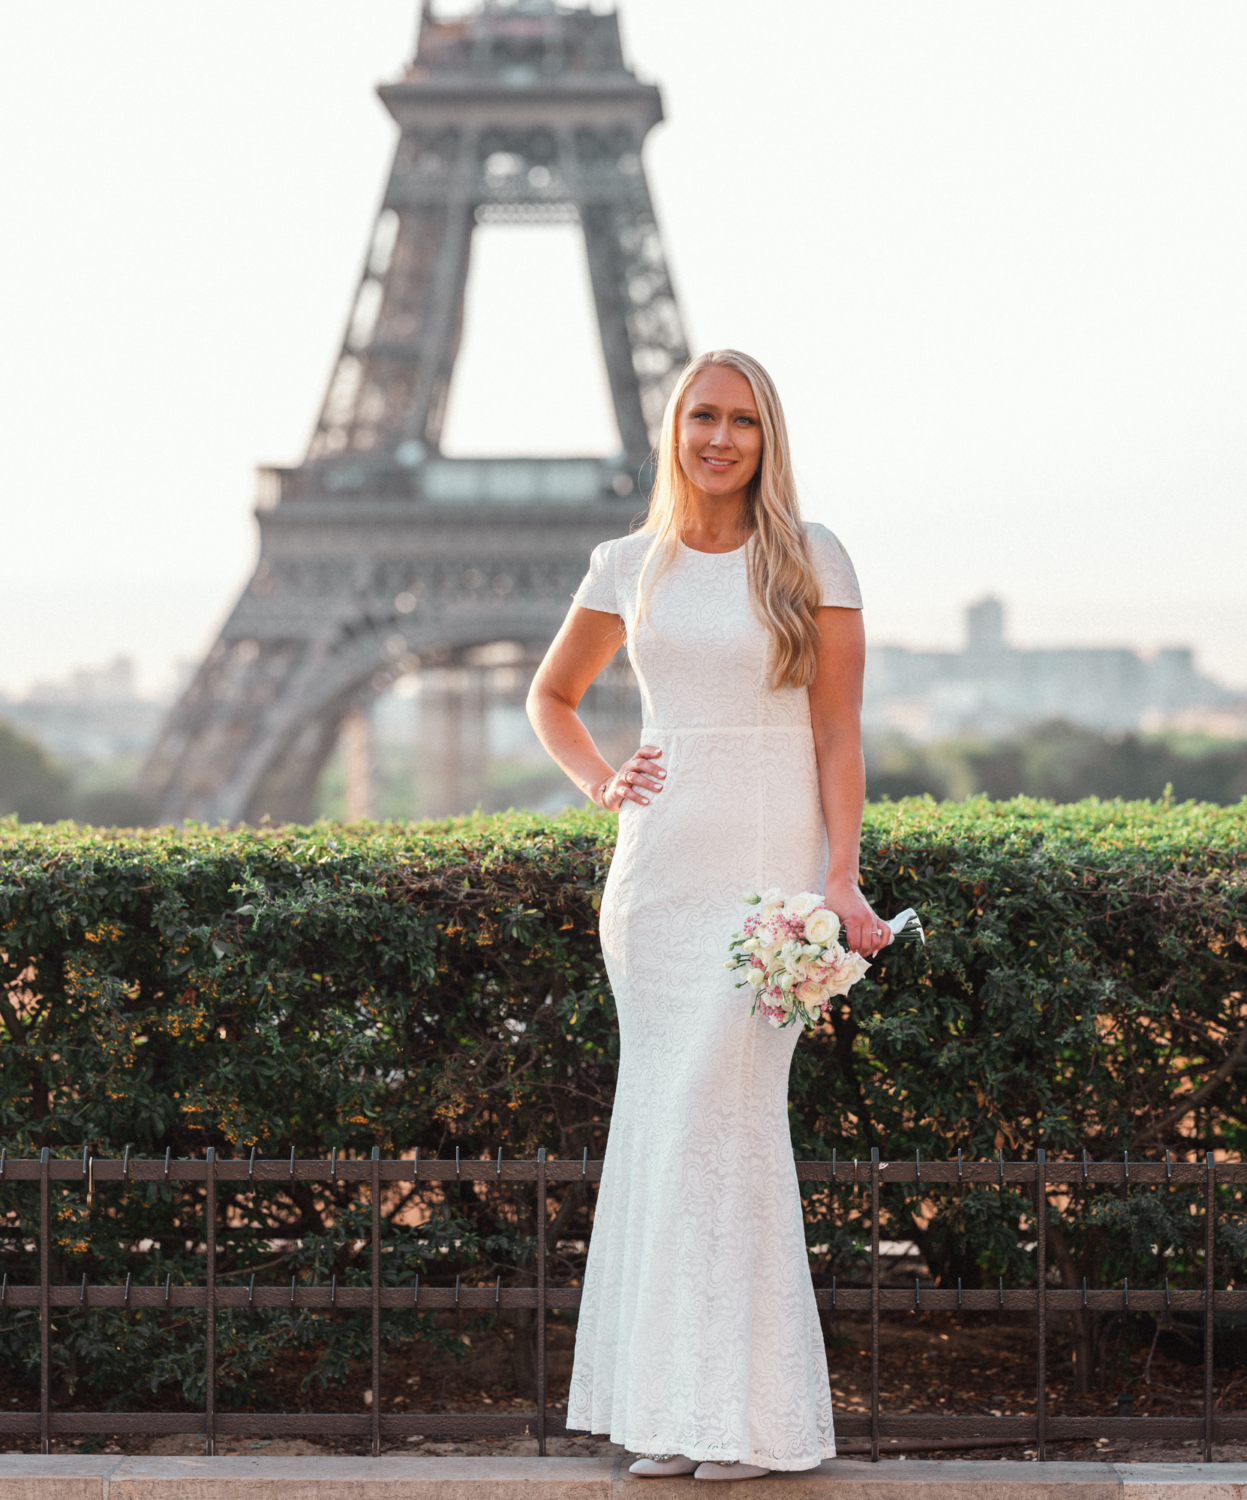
{"x": 701, "y": 653}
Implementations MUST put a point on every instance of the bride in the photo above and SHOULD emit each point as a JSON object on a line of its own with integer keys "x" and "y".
{"x": 698, "y": 1343}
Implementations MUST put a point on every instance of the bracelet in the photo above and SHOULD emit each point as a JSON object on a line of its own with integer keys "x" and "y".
{"x": 602, "y": 789}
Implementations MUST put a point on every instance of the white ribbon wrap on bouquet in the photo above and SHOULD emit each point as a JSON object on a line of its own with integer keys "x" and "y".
{"x": 907, "y": 918}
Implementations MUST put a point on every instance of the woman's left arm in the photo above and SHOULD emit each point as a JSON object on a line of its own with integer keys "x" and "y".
{"x": 836, "y": 714}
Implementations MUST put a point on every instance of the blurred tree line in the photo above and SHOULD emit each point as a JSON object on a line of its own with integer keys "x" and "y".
{"x": 38, "y": 788}
{"x": 1061, "y": 762}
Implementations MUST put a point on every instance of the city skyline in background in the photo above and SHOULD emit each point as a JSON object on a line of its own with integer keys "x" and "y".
{"x": 989, "y": 252}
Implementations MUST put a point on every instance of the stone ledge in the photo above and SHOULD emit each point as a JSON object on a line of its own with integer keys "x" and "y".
{"x": 72, "y": 1477}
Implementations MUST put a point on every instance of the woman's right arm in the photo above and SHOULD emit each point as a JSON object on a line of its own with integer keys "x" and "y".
{"x": 587, "y": 641}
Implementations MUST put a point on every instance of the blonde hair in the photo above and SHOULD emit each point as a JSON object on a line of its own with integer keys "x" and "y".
{"x": 783, "y": 586}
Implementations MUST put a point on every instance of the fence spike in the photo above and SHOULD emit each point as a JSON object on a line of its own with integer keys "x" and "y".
{"x": 1002, "y": 1166}
{"x": 1166, "y": 1291}
{"x": 333, "y": 1290}
{"x": 1084, "y": 1164}
{"x": 125, "y": 1166}
{"x": 1125, "y": 1162}
{"x": 4, "y": 1153}
{"x": 456, "y": 1161}
{"x": 1168, "y": 1167}
{"x": 959, "y": 1291}
{"x": 168, "y": 1285}
{"x": 1084, "y": 1291}
{"x": 333, "y": 1164}
{"x": 917, "y": 1166}
{"x": 456, "y": 1291}
{"x": 292, "y": 1164}
{"x": 917, "y": 1293}
{"x": 251, "y": 1291}
{"x": 125, "y": 1296}
{"x": 4, "y": 1291}
{"x": 1126, "y": 1290}
{"x": 958, "y": 1166}
{"x": 833, "y": 1291}
{"x": 168, "y": 1155}
{"x": 1001, "y": 1301}
{"x": 82, "y": 1295}
{"x": 415, "y": 1167}
{"x": 251, "y": 1167}
{"x": 584, "y": 1164}
{"x": 498, "y": 1292}
{"x": 833, "y": 1164}
{"x": 292, "y": 1291}
{"x": 415, "y": 1292}
{"x": 500, "y": 1161}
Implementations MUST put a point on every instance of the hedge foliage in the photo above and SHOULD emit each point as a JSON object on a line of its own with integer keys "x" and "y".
{"x": 1084, "y": 984}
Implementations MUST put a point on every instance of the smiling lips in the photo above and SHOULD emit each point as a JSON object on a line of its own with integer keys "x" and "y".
{"x": 719, "y": 463}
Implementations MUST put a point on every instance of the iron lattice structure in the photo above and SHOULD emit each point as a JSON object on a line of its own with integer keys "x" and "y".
{"x": 379, "y": 555}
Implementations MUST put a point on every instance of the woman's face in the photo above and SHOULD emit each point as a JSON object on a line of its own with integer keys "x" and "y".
{"x": 720, "y": 436}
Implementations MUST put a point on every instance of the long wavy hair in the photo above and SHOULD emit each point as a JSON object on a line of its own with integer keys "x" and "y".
{"x": 783, "y": 586}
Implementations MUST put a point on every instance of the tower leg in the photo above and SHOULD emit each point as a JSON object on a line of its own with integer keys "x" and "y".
{"x": 358, "y": 755}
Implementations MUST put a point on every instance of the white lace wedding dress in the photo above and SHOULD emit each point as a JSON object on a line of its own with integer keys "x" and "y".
{"x": 698, "y": 1330}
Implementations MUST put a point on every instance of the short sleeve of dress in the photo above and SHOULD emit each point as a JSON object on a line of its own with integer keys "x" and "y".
{"x": 835, "y": 571}
{"x": 597, "y": 588}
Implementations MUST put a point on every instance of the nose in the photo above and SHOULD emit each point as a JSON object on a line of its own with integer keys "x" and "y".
{"x": 722, "y": 435}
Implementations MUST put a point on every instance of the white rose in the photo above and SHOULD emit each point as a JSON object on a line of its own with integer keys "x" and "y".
{"x": 846, "y": 974}
{"x": 822, "y": 926}
{"x": 772, "y": 901}
{"x": 802, "y": 904}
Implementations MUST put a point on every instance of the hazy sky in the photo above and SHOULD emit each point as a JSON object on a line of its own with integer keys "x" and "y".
{"x": 994, "y": 252}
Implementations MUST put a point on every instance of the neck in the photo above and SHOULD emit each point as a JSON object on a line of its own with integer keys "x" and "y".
{"x": 715, "y": 523}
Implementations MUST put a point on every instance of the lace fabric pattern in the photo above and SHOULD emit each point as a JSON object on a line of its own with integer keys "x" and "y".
{"x": 698, "y": 1331}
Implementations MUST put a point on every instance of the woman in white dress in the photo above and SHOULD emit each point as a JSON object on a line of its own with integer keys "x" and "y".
{"x": 698, "y": 1341}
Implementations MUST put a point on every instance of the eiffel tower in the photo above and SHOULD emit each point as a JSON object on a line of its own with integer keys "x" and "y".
{"x": 379, "y": 555}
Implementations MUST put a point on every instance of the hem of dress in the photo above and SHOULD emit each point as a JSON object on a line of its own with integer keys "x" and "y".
{"x": 703, "y": 1454}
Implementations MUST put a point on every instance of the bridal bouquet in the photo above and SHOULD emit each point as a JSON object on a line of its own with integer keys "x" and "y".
{"x": 792, "y": 959}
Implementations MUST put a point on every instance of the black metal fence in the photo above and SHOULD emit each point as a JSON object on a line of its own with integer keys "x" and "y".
{"x": 856, "y": 1432}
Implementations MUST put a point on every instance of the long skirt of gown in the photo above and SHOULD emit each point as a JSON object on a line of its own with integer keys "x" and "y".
{"x": 698, "y": 1330}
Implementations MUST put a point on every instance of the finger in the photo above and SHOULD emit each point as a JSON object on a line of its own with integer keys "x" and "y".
{"x": 641, "y": 763}
{"x": 643, "y": 776}
{"x": 649, "y": 750}
{"x": 643, "y": 772}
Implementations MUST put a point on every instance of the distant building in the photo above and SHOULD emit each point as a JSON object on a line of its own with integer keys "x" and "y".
{"x": 93, "y": 714}
{"x": 990, "y": 687}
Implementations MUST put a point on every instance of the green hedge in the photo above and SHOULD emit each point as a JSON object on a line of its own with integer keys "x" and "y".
{"x": 441, "y": 986}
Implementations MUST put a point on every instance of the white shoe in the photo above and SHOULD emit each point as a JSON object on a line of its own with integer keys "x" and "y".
{"x": 729, "y": 1471}
{"x": 667, "y": 1466}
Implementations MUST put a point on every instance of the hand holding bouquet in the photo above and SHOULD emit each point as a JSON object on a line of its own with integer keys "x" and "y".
{"x": 792, "y": 959}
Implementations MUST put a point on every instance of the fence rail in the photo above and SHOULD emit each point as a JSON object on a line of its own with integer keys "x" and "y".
{"x": 871, "y": 1432}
